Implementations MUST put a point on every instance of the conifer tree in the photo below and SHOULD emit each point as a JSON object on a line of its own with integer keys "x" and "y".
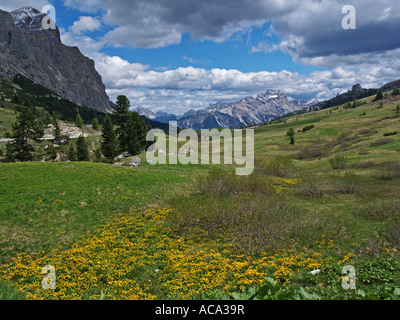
{"x": 291, "y": 133}
{"x": 72, "y": 153}
{"x": 57, "y": 131}
{"x": 379, "y": 95}
{"x": 136, "y": 130}
{"x": 121, "y": 115}
{"x": 79, "y": 121}
{"x": 27, "y": 127}
{"x": 9, "y": 153}
{"x": 95, "y": 124}
{"x": 109, "y": 142}
{"x": 82, "y": 151}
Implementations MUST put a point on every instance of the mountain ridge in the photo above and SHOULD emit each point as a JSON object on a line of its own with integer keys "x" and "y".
{"x": 250, "y": 110}
{"x": 38, "y": 54}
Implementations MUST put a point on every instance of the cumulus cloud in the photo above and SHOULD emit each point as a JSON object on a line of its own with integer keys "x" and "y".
{"x": 309, "y": 30}
{"x": 313, "y": 32}
{"x": 169, "y": 19}
{"x": 85, "y": 24}
{"x": 149, "y": 35}
{"x": 309, "y": 27}
{"x": 171, "y": 90}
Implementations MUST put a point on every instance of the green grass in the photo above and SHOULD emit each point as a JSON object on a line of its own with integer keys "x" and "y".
{"x": 47, "y": 205}
{"x": 7, "y": 118}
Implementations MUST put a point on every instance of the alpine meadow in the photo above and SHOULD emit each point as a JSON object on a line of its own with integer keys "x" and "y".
{"x": 90, "y": 103}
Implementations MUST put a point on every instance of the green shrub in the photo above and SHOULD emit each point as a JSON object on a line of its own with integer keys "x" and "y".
{"x": 252, "y": 224}
{"x": 308, "y": 128}
{"x": 309, "y": 152}
{"x": 311, "y": 188}
{"x": 389, "y": 171}
{"x": 218, "y": 180}
{"x": 338, "y": 162}
{"x": 381, "y": 142}
{"x": 348, "y": 184}
{"x": 392, "y": 233}
{"x": 388, "y": 134}
{"x": 381, "y": 211}
{"x": 364, "y": 165}
{"x": 279, "y": 167}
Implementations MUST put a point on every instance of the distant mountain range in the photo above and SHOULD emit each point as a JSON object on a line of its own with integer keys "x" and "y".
{"x": 264, "y": 107}
{"x": 160, "y": 116}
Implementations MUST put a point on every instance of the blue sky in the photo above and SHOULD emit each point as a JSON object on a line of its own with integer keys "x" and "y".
{"x": 235, "y": 53}
{"x": 176, "y": 55}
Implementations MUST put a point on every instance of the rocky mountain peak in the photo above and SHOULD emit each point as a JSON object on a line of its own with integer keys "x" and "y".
{"x": 266, "y": 106}
{"x": 31, "y": 19}
{"x": 37, "y": 53}
{"x": 25, "y": 16}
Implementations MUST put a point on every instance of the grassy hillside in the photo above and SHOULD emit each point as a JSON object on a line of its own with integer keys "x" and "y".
{"x": 200, "y": 232}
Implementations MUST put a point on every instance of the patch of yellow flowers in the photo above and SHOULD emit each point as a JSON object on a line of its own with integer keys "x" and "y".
{"x": 137, "y": 256}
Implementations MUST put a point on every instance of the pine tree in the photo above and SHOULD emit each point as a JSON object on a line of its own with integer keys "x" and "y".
{"x": 109, "y": 142}
{"x": 57, "y": 131}
{"x": 379, "y": 95}
{"x": 82, "y": 151}
{"x": 136, "y": 130}
{"x": 9, "y": 153}
{"x": 79, "y": 121}
{"x": 95, "y": 124}
{"x": 72, "y": 153}
{"x": 291, "y": 133}
{"x": 98, "y": 153}
{"x": 121, "y": 115}
{"x": 27, "y": 127}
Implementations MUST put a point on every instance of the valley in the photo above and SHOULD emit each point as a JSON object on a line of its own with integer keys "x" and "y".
{"x": 173, "y": 228}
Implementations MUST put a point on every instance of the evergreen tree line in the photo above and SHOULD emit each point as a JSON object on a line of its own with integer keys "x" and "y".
{"x": 126, "y": 135}
{"x": 129, "y": 135}
{"x": 28, "y": 127}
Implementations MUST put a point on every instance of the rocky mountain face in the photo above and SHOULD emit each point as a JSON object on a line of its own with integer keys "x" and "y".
{"x": 27, "y": 48}
{"x": 249, "y": 111}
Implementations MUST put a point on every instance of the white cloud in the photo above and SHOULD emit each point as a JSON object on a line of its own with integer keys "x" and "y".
{"x": 172, "y": 89}
{"x": 155, "y": 24}
{"x": 309, "y": 30}
{"x": 85, "y": 24}
{"x": 148, "y": 35}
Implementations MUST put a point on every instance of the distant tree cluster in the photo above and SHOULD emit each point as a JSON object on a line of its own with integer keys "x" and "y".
{"x": 126, "y": 135}
{"x": 65, "y": 109}
{"x": 27, "y": 128}
{"x": 379, "y": 95}
{"x": 130, "y": 134}
{"x": 354, "y": 104}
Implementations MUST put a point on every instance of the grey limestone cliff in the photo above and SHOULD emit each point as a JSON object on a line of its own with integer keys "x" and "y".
{"x": 37, "y": 53}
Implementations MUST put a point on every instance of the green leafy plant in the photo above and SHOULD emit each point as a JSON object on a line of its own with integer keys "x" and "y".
{"x": 338, "y": 162}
